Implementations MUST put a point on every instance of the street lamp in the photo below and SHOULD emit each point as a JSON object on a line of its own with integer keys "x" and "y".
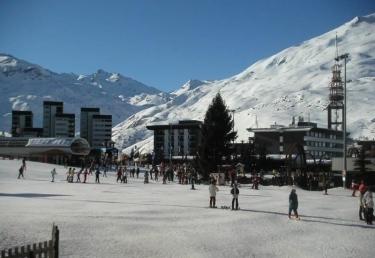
{"x": 345, "y": 58}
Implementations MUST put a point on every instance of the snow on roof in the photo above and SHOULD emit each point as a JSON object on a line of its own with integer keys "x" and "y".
{"x": 50, "y": 142}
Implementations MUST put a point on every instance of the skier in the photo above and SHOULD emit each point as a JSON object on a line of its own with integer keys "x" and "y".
{"x": 119, "y": 174}
{"x": 362, "y": 190}
{"x": 24, "y": 164}
{"x": 212, "y": 190}
{"x": 85, "y": 175}
{"x": 293, "y": 204}
{"x": 53, "y": 173}
{"x": 124, "y": 176}
{"x": 97, "y": 173}
{"x": 146, "y": 177}
{"x": 20, "y": 173}
{"x": 79, "y": 176}
{"x": 235, "y": 192}
{"x": 138, "y": 172}
{"x": 368, "y": 204}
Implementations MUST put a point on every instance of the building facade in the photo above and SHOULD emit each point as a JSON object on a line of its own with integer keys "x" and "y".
{"x": 20, "y": 121}
{"x": 177, "y": 141}
{"x": 316, "y": 142}
{"x": 86, "y": 122}
{"x": 96, "y": 128}
{"x": 64, "y": 125}
{"x": 101, "y": 131}
{"x": 50, "y": 109}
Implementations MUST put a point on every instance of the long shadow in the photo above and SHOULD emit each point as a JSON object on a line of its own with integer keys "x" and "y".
{"x": 31, "y": 195}
{"x": 314, "y": 217}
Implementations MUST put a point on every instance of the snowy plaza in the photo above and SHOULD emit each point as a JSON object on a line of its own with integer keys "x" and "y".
{"x": 154, "y": 220}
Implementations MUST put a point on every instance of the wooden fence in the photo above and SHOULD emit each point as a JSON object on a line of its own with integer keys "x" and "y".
{"x": 46, "y": 249}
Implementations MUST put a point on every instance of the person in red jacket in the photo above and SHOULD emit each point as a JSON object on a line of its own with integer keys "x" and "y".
{"x": 362, "y": 190}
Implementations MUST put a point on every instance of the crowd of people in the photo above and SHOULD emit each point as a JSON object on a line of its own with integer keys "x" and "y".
{"x": 186, "y": 174}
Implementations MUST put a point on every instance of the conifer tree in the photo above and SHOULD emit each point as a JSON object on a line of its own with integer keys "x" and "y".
{"x": 217, "y": 134}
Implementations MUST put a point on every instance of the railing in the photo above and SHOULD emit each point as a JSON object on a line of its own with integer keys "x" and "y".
{"x": 46, "y": 249}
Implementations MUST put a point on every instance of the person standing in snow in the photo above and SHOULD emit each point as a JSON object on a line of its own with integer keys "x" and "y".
{"x": 20, "y": 173}
{"x": 119, "y": 174}
{"x": 85, "y": 175}
{"x": 79, "y": 175}
{"x": 212, "y": 189}
{"x": 362, "y": 190}
{"x": 137, "y": 172}
{"x": 235, "y": 192}
{"x": 24, "y": 164}
{"x": 293, "y": 204}
{"x": 368, "y": 204}
{"x": 97, "y": 174}
{"x": 124, "y": 176}
{"x": 146, "y": 177}
{"x": 53, "y": 173}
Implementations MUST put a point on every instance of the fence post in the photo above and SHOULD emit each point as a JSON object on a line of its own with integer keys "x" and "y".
{"x": 55, "y": 241}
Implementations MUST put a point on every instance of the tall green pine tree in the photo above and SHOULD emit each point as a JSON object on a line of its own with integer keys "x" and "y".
{"x": 217, "y": 134}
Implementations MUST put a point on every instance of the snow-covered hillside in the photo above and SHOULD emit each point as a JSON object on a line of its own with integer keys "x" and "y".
{"x": 293, "y": 82}
{"x": 24, "y": 86}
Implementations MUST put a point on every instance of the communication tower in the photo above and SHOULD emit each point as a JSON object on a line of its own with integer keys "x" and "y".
{"x": 336, "y": 96}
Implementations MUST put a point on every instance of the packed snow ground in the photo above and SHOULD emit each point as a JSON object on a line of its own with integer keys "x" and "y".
{"x": 155, "y": 220}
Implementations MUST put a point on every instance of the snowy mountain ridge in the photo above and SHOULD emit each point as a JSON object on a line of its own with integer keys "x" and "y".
{"x": 293, "y": 82}
{"x": 24, "y": 86}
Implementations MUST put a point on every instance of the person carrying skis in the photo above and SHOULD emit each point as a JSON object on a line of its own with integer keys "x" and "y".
{"x": 235, "y": 192}
{"x": 293, "y": 204}
{"x": 212, "y": 189}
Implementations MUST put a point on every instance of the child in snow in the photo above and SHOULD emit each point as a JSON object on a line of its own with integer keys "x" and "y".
{"x": 235, "y": 192}
{"x": 293, "y": 203}
{"x": 368, "y": 204}
{"x": 212, "y": 190}
{"x": 53, "y": 173}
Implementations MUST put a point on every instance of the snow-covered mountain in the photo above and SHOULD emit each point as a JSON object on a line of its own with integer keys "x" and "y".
{"x": 24, "y": 86}
{"x": 293, "y": 82}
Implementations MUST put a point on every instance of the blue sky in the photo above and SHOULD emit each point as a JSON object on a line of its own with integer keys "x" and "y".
{"x": 164, "y": 43}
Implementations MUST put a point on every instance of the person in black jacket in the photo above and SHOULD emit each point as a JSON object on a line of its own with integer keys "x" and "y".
{"x": 235, "y": 192}
{"x": 293, "y": 203}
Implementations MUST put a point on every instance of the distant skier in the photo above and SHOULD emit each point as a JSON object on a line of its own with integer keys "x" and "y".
{"x": 146, "y": 177}
{"x": 235, "y": 192}
{"x": 85, "y": 175}
{"x": 368, "y": 204}
{"x": 124, "y": 178}
{"x": 20, "y": 173}
{"x": 119, "y": 174}
{"x": 79, "y": 175}
{"x": 362, "y": 190}
{"x": 53, "y": 174}
{"x": 212, "y": 191}
{"x": 24, "y": 164}
{"x": 293, "y": 204}
{"x": 97, "y": 174}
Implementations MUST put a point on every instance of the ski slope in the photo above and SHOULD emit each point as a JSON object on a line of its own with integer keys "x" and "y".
{"x": 156, "y": 220}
